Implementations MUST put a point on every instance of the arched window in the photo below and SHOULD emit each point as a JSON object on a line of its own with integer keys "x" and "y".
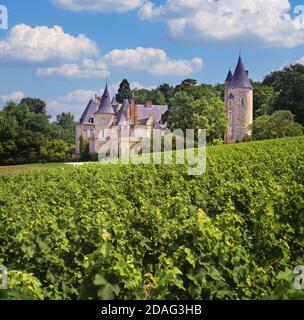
{"x": 242, "y": 102}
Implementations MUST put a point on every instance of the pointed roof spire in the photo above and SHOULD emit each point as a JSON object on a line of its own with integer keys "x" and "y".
{"x": 122, "y": 113}
{"x": 114, "y": 101}
{"x": 88, "y": 112}
{"x": 229, "y": 76}
{"x": 105, "y": 105}
{"x": 240, "y": 78}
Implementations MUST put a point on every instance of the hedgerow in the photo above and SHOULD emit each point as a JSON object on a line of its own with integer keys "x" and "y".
{"x": 152, "y": 231}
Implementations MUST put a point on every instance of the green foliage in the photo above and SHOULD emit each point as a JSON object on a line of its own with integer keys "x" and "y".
{"x": 124, "y": 91}
{"x": 289, "y": 87}
{"x": 22, "y": 286}
{"x": 56, "y": 151}
{"x": 34, "y": 105}
{"x": 204, "y": 109}
{"x": 263, "y": 99}
{"x": 135, "y": 231}
{"x": 26, "y": 136}
{"x": 155, "y": 95}
{"x": 280, "y": 124}
{"x": 167, "y": 91}
{"x": 84, "y": 148}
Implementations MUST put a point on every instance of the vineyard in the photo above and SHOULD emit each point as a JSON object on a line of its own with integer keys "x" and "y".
{"x": 154, "y": 232}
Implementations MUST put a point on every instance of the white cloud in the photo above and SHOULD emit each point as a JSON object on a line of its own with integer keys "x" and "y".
{"x": 145, "y": 60}
{"x": 99, "y": 5}
{"x": 15, "y": 96}
{"x": 87, "y": 68}
{"x": 73, "y": 102}
{"x": 42, "y": 44}
{"x": 262, "y": 22}
{"x": 152, "y": 61}
{"x": 301, "y": 60}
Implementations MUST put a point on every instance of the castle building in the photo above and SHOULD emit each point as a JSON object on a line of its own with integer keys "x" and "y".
{"x": 103, "y": 114}
{"x": 238, "y": 104}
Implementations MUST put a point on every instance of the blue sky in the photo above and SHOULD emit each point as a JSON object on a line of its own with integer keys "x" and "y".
{"x": 147, "y": 42}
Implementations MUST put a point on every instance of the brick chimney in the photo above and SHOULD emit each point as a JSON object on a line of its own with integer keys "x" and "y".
{"x": 149, "y": 104}
{"x": 133, "y": 112}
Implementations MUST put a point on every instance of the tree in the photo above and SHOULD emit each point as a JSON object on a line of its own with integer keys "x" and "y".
{"x": 289, "y": 86}
{"x": 84, "y": 148}
{"x": 26, "y": 136}
{"x": 263, "y": 99}
{"x": 186, "y": 85}
{"x": 124, "y": 91}
{"x": 142, "y": 95}
{"x": 205, "y": 112}
{"x": 65, "y": 120}
{"x": 280, "y": 124}
{"x": 56, "y": 151}
{"x": 167, "y": 91}
{"x": 34, "y": 105}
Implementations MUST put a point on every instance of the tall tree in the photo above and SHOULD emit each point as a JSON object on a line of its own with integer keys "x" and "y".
{"x": 263, "y": 99}
{"x": 142, "y": 95}
{"x": 66, "y": 120}
{"x": 34, "y": 105}
{"x": 124, "y": 91}
{"x": 289, "y": 86}
{"x": 203, "y": 112}
{"x": 167, "y": 91}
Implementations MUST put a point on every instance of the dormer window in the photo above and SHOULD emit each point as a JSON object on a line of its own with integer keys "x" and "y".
{"x": 91, "y": 120}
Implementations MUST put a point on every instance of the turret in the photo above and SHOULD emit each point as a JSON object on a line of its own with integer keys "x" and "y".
{"x": 238, "y": 104}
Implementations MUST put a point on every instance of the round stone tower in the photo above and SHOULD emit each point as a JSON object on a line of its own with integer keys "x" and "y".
{"x": 238, "y": 104}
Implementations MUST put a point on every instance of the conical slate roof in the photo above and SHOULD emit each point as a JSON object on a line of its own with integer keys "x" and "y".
{"x": 240, "y": 77}
{"x": 88, "y": 112}
{"x": 114, "y": 101}
{"x": 229, "y": 76}
{"x": 122, "y": 113}
{"x": 105, "y": 105}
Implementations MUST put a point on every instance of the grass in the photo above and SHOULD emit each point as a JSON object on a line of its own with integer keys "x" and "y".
{"x": 11, "y": 170}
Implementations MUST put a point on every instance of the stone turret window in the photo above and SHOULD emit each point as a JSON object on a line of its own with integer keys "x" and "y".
{"x": 242, "y": 102}
{"x": 230, "y": 123}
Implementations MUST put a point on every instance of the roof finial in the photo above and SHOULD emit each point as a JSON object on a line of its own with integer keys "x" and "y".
{"x": 240, "y": 54}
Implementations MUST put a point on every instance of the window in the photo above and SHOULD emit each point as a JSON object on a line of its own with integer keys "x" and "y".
{"x": 242, "y": 102}
{"x": 91, "y": 120}
{"x": 230, "y": 103}
{"x": 230, "y": 124}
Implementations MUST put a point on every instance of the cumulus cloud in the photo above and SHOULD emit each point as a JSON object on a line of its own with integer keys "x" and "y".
{"x": 145, "y": 60}
{"x": 43, "y": 44}
{"x": 262, "y": 22}
{"x": 152, "y": 61}
{"x": 87, "y": 68}
{"x": 73, "y": 102}
{"x": 15, "y": 96}
{"x": 99, "y": 5}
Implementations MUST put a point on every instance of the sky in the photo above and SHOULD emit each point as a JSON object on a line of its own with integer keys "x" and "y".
{"x": 62, "y": 51}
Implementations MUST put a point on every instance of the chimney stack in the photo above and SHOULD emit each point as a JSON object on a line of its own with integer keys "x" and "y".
{"x": 133, "y": 112}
